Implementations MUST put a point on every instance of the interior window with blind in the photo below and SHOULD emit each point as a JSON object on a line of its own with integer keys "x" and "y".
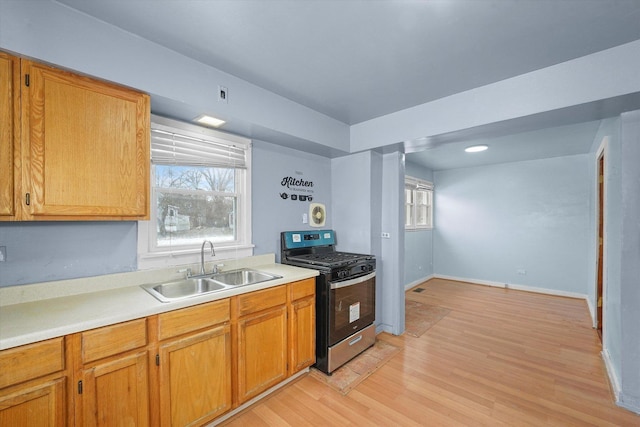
{"x": 418, "y": 204}
{"x": 199, "y": 188}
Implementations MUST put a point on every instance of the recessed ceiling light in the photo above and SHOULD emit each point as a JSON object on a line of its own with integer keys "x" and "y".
{"x": 210, "y": 121}
{"x": 476, "y": 148}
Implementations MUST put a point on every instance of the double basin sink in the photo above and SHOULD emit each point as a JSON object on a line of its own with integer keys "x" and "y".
{"x": 202, "y": 285}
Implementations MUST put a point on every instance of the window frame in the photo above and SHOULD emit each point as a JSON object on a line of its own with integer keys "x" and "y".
{"x": 414, "y": 185}
{"x": 152, "y": 256}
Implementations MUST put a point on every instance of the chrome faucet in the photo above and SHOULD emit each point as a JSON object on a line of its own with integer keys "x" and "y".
{"x": 213, "y": 252}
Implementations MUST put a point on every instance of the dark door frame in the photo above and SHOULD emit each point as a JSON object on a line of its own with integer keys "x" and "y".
{"x": 601, "y": 167}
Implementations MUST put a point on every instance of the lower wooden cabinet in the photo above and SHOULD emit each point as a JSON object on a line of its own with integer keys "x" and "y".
{"x": 181, "y": 368}
{"x": 33, "y": 384}
{"x": 113, "y": 388}
{"x": 116, "y": 393}
{"x": 40, "y": 404}
{"x": 195, "y": 368}
{"x": 262, "y": 352}
{"x": 302, "y": 325}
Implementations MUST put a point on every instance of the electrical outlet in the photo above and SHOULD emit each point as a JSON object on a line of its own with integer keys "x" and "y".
{"x": 223, "y": 94}
{"x": 3, "y": 253}
{"x": 521, "y": 272}
{"x": 386, "y": 235}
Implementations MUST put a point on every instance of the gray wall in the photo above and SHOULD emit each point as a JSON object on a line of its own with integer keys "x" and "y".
{"x": 45, "y": 251}
{"x": 628, "y": 260}
{"x": 366, "y": 194}
{"x": 533, "y": 216}
{"x": 418, "y": 244}
{"x": 270, "y": 213}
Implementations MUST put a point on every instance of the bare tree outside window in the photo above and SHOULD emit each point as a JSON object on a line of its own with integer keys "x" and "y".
{"x": 195, "y": 203}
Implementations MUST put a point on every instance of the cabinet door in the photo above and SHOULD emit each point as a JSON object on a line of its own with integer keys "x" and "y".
{"x": 262, "y": 352}
{"x": 116, "y": 393}
{"x": 302, "y": 329}
{"x": 9, "y": 135}
{"x": 40, "y": 405}
{"x": 85, "y": 147}
{"x": 195, "y": 378}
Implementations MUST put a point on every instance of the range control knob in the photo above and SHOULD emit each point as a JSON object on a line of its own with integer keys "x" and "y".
{"x": 342, "y": 274}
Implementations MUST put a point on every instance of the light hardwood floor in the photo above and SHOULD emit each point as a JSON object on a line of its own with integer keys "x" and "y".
{"x": 499, "y": 358}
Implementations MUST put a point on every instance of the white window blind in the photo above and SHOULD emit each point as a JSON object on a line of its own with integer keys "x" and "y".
{"x": 182, "y": 147}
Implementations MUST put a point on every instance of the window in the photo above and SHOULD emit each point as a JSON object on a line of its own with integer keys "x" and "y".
{"x": 199, "y": 191}
{"x": 418, "y": 204}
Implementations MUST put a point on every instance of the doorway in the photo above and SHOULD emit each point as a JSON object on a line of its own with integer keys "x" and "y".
{"x": 600, "y": 194}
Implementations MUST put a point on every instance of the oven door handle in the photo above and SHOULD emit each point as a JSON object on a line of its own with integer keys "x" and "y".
{"x": 351, "y": 282}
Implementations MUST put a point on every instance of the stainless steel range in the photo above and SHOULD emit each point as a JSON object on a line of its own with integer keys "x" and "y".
{"x": 345, "y": 295}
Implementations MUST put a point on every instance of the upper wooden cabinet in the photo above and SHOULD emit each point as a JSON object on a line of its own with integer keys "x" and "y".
{"x": 9, "y": 135}
{"x": 84, "y": 147}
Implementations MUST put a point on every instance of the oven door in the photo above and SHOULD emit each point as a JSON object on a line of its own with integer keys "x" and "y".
{"x": 352, "y": 306}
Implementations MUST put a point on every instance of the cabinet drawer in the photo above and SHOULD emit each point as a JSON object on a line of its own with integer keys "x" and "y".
{"x": 114, "y": 339}
{"x": 190, "y": 319}
{"x": 261, "y": 300}
{"x": 302, "y": 288}
{"x": 31, "y": 361}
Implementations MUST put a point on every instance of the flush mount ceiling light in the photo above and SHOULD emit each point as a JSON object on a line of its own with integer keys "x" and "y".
{"x": 476, "y": 148}
{"x": 210, "y": 121}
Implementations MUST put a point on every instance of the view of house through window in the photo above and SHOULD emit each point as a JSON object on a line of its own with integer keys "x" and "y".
{"x": 195, "y": 203}
{"x": 418, "y": 205}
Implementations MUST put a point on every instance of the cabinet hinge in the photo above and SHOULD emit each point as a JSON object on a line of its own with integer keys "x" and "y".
{"x": 80, "y": 387}
{"x": 27, "y": 199}
{"x": 157, "y": 360}
{"x": 26, "y": 80}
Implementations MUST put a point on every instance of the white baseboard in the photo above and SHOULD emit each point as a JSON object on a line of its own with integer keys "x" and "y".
{"x": 613, "y": 380}
{"x": 417, "y": 282}
{"x": 592, "y": 313}
{"x": 514, "y": 286}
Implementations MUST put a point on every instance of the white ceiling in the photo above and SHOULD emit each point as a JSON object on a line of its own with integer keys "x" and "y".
{"x": 355, "y": 60}
{"x": 538, "y": 144}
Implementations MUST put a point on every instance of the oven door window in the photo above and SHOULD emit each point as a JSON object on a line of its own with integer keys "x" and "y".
{"x": 351, "y": 307}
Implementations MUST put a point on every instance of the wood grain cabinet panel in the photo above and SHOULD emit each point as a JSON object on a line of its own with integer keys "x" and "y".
{"x": 32, "y": 384}
{"x": 302, "y": 334}
{"x": 195, "y": 377}
{"x": 9, "y": 135}
{"x": 112, "y": 375}
{"x": 40, "y": 405}
{"x": 116, "y": 393}
{"x": 85, "y": 146}
{"x": 254, "y": 302}
{"x": 114, "y": 339}
{"x": 262, "y": 351}
{"x": 31, "y": 361}
{"x": 191, "y": 319}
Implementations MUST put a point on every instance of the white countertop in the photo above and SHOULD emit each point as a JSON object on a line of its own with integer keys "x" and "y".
{"x": 32, "y": 313}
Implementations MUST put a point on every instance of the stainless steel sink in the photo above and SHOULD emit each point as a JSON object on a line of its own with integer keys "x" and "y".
{"x": 186, "y": 288}
{"x": 243, "y": 277}
{"x": 197, "y": 286}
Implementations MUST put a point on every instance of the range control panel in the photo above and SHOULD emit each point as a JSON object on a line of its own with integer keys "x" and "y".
{"x": 308, "y": 239}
